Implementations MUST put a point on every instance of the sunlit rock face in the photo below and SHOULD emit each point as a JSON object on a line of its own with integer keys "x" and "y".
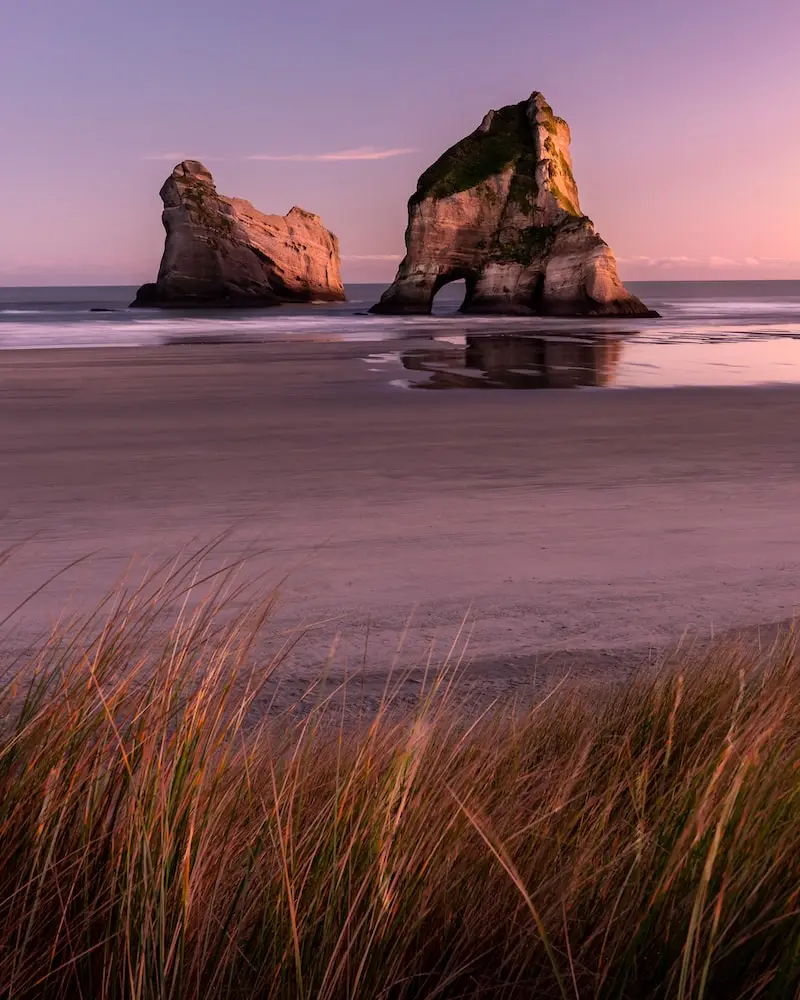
{"x": 500, "y": 209}
{"x": 222, "y": 252}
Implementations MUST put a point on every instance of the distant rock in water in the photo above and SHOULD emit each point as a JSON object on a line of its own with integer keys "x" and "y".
{"x": 500, "y": 210}
{"x": 222, "y": 252}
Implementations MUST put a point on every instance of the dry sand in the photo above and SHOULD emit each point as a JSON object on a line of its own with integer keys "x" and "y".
{"x": 602, "y": 522}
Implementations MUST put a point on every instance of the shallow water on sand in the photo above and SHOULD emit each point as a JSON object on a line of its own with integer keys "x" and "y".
{"x": 555, "y": 361}
{"x": 710, "y": 333}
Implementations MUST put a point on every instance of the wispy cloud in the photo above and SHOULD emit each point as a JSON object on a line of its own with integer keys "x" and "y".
{"x": 362, "y": 153}
{"x": 340, "y": 156}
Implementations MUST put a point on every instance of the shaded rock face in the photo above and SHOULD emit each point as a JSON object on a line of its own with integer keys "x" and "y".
{"x": 223, "y": 252}
{"x": 500, "y": 209}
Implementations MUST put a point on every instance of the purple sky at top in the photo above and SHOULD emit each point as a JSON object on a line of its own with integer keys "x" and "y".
{"x": 685, "y": 118}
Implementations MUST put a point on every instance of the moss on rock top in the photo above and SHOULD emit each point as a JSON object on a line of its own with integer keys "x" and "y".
{"x": 505, "y": 139}
{"x": 484, "y": 153}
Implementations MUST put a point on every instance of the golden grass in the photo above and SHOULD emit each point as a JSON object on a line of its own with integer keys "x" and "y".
{"x": 158, "y": 843}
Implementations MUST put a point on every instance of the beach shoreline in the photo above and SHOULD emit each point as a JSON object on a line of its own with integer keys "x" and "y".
{"x": 558, "y": 522}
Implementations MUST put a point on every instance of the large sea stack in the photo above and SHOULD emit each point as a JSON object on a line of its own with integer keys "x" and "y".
{"x": 223, "y": 252}
{"x": 500, "y": 209}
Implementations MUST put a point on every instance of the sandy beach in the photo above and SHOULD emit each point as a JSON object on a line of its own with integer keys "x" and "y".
{"x": 599, "y": 523}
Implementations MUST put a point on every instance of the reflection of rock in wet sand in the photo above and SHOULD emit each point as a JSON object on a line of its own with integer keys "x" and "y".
{"x": 521, "y": 362}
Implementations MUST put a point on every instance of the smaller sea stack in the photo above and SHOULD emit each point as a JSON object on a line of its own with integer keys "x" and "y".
{"x": 222, "y": 252}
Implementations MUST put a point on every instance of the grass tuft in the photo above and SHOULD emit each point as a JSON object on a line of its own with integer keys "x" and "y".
{"x": 162, "y": 838}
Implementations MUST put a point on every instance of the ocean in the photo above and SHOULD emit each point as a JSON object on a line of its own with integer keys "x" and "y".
{"x": 710, "y": 333}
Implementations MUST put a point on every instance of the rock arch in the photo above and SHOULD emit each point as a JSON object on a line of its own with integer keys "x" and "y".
{"x": 502, "y": 206}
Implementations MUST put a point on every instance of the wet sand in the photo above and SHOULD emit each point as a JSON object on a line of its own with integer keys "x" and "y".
{"x": 603, "y": 522}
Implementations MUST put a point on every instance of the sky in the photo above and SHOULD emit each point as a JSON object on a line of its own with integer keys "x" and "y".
{"x": 685, "y": 118}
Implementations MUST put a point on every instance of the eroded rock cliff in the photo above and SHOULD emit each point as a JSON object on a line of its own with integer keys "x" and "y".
{"x": 500, "y": 209}
{"x": 223, "y": 252}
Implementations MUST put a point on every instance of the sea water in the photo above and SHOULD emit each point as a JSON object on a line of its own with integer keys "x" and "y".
{"x": 710, "y": 333}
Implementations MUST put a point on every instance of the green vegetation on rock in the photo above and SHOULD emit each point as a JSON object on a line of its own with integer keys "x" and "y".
{"x": 507, "y": 141}
{"x": 479, "y": 156}
{"x": 524, "y": 189}
{"x": 524, "y": 246}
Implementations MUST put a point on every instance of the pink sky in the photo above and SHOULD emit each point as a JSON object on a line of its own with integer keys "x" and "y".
{"x": 685, "y": 121}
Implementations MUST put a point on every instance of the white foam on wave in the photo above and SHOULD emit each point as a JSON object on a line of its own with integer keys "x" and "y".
{"x": 713, "y": 321}
{"x": 40, "y": 336}
{"x": 730, "y": 307}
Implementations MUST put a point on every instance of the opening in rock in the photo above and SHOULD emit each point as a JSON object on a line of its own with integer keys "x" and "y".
{"x": 449, "y": 298}
{"x": 450, "y": 293}
{"x": 538, "y": 293}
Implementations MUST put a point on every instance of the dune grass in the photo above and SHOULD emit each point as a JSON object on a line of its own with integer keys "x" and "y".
{"x": 162, "y": 838}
